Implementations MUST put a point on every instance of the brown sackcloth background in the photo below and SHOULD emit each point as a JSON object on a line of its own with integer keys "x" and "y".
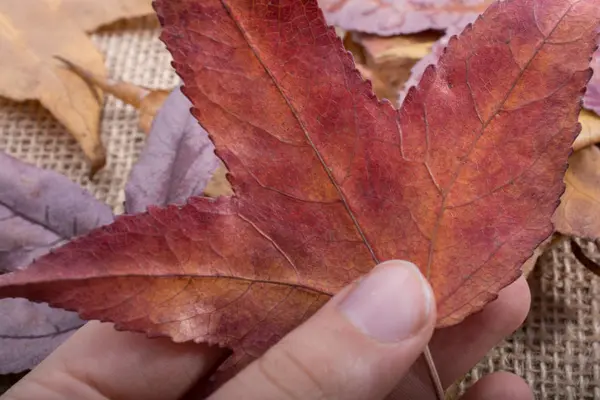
{"x": 557, "y": 350}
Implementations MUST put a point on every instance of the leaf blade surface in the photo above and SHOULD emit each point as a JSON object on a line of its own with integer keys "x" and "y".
{"x": 39, "y": 210}
{"x": 394, "y": 17}
{"x": 177, "y": 161}
{"x": 462, "y": 180}
{"x": 33, "y": 34}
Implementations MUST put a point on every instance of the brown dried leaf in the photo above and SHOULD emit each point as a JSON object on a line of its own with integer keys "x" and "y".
{"x": 380, "y": 50}
{"x": 531, "y": 262}
{"x": 32, "y": 34}
{"x": 391, "y": 59}
{"x": 218, "y": 185}
{"x": 147, "y": 101}
{"x": 590, "y": 130}
{"x": 579, "y": 212}
{"x": 92, "y": 14}
{"x": 379, "y": 87}
{"x": 149, "y": 106}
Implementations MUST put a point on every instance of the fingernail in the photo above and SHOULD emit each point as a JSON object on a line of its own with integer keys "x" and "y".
{"x": 390, "y": 304}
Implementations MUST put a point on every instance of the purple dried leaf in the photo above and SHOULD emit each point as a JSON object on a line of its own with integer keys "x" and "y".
{"x": 591, "y": 101}
{"x": 393, "y": 17}
{"x": 22, "y": 241}
{"x": 39, "y": 210}
{"x": 176, "y": 163}
{"x": 30, "y": 331}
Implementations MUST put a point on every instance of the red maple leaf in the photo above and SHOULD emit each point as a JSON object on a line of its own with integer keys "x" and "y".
{"x": 462, "y": 180}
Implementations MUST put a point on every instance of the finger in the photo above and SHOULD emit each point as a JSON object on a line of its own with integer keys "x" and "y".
{"x": 457, "y": 349}
{"x": 356, "y": 347}
{"x": 99, "y": 363}
{"x": 499, "y": 386}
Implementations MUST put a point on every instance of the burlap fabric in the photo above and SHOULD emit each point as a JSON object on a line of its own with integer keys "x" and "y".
{"x": 558, "y": 349}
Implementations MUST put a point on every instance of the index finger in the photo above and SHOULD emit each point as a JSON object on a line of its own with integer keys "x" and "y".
{"x": 99, "y": 363}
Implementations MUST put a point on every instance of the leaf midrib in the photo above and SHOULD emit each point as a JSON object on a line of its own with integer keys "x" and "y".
{"x": 78, "y": 280}
{"x": 44, "y": 224}
{"x": 458, "y": 170}
{"x": 305, "y": 131}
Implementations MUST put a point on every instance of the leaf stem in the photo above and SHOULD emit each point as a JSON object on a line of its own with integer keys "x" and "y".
{"x": 583, "y": 259}
{"x": 127, "y": 92}
{"x": 435, "y": 377}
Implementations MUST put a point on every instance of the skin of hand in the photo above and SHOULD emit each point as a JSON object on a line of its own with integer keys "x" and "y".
{"x": 362, "y": 344}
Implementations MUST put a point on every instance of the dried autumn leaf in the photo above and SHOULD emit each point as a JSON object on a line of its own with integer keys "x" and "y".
{"x": 591, "y": 100}
{"x": 590, "y": 122}
{"x": 176, "y": 163}
{"x": 147, "y": 101}
{"x": 462, "y": 180}
{"x": 39, "y": 209}
{"x": 92, "y": 14}
{"x": 178, "y": 159}
{"x": 32, "y": 33}
{"x": 579, "y": 212}
{"x": 590, "y": 130}
{"x": 184, "y": 164}
{"x": 390, "y": 59}
{"x": 29, "y": 332}
{"x": 380, "y": 89}
{"x": 394, "y": 17}
{"x": 218, "y": 184}
{"x": 420, "y": 66}
{"x": 149, "y": 107}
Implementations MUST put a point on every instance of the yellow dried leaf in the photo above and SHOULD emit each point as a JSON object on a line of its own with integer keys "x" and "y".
{"x": 149, "y": 106}
{"x": 379, "y": 87}
{"x": 579, "y": 211}
{"x": 400, "y": 48}
{"x": 390, "y": 59}
{"x": 590, "y": 130}
{"x": 340, "y": 32}
{"x": 32, "y": 33}
{"x": 146, "y": 101}
{"x": 92, "y": 14}
{"x": 218, "y": 185}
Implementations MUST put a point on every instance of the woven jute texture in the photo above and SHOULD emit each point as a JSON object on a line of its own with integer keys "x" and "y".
{"x": 558, "y": 349}
{"x": 133, "y": 53}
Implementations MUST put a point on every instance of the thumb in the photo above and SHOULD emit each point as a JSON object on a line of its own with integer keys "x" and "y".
{"x": 358, "y": 346}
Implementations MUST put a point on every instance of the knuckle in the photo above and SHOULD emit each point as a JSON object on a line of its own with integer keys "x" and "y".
{"x": 291, "y": 374}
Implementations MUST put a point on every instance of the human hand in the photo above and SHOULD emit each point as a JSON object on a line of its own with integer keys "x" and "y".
{"x": 360, "y": 345}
